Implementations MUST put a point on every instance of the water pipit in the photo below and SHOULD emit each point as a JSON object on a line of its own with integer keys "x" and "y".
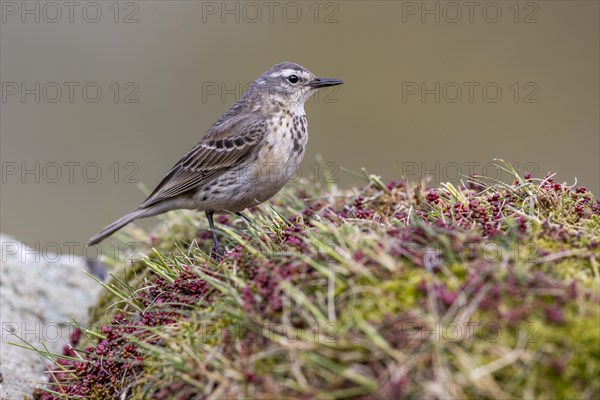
{"x": 245, "y": 158}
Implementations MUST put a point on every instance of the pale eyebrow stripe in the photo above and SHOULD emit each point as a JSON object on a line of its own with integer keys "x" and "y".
{"x": 285, "y": 72}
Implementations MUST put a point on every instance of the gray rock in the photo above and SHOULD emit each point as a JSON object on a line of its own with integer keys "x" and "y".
{"x": 40, "y": 293}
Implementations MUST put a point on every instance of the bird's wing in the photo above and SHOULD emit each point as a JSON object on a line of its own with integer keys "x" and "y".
{"x": 224, "y": 146}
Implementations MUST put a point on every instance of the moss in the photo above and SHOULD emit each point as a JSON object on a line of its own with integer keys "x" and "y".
{"x": 483, "y": 291}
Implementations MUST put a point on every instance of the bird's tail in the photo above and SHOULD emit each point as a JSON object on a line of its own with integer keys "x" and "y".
{"x": 118, "y": 224}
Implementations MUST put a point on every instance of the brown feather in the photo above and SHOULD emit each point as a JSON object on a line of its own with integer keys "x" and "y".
{"x": 207, "y": 159}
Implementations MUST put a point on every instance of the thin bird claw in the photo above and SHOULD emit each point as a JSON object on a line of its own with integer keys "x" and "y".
{"x": 217, "y": 255}
{"x": 248, "y": 220}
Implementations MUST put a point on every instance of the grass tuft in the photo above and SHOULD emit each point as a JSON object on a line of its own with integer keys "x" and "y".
{"x": 482, "y": 290}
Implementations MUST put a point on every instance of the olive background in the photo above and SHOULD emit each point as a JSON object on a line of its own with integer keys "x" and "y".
{"x": 169, "y": 69}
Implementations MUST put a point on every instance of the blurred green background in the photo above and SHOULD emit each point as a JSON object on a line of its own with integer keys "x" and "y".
{"x": 430, "y": 87}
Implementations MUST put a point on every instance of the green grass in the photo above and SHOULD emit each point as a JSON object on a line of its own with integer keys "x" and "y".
{"x": 490, "y": 290}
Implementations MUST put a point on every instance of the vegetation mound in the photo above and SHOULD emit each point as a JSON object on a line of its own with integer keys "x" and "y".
{"x": 488, "y": 290}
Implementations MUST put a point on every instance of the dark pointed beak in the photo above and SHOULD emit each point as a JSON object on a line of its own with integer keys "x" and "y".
{"x": 324, "y": 82}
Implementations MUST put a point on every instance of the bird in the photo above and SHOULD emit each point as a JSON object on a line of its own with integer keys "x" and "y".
{"x": 246, "y": 156}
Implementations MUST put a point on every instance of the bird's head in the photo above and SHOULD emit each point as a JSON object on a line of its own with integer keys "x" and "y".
{"x": 290, "y": 84}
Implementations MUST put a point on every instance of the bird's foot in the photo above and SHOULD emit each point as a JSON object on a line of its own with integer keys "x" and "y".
{"x": 248, "y": 220}
{"x": 217, "y": 254}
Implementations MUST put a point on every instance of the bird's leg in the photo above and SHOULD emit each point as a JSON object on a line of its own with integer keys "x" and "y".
{"x": 240, "y": 214}
{"x": 209, "y": 215}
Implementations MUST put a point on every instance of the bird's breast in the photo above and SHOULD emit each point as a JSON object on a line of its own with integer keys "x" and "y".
{"x": 285, "y": 142}
{"x": 273, "y": 164}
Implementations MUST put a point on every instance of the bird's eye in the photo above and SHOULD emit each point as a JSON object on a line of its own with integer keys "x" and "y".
{"x": 292, "y": 79}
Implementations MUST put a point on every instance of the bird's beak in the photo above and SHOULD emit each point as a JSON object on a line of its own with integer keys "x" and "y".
{"x": 324, "y": 82}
